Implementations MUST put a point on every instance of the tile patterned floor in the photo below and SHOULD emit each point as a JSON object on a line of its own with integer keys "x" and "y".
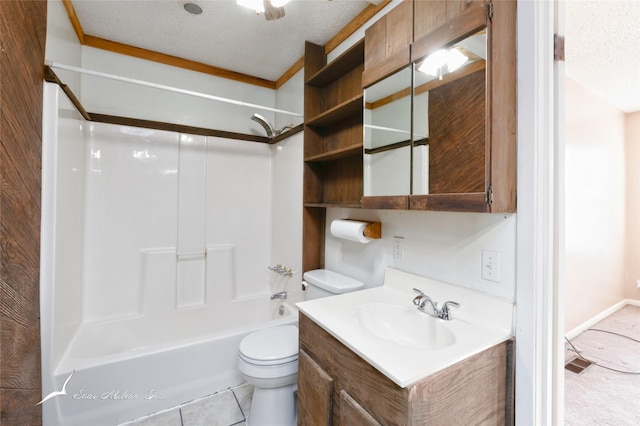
{"x": 226, "y": 408}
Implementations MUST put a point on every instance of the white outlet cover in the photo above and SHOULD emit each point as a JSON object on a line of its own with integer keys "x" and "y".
{"x": 491, "y": 266}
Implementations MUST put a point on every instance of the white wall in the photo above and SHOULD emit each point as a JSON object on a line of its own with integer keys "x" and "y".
{"x": 64, "y": 171}
{"x": 62, "y": 44}
{"x": 595, "y": 205}
{"x": 444, "y": 246}
{"x": 632, "y": 154}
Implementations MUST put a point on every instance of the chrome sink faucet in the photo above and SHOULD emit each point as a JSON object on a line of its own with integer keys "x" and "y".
{"x": 421, "y": 301}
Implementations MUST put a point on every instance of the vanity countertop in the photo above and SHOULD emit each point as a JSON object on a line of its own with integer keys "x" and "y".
{"x": 364, "y": 321}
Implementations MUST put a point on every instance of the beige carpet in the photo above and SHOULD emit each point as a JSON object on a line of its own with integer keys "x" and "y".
{"x": 598, "y": 396}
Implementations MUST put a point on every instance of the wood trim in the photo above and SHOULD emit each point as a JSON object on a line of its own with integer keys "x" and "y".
{"x": 357, "y": 22}
{"x": 293, "y": 70}
{"x": 389, "y": 99}
{"x": 50, "y": 76}
{"x": 389, "y": 202}
{"x": 150, "y": 55}
{"x": 502, "y": 88}
{"x": 448, "y": 78}
{"x": 180, "y": 128}
{"x": 391, "y": 65}
{"x": 75, "y": 22}
{"x": 470, "y": 202}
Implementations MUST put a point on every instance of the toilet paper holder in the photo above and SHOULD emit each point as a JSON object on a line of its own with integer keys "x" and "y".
{"x": 371, "y": 230}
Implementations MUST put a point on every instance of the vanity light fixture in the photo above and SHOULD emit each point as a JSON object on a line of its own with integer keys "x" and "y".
{"x": 433, "y": 64}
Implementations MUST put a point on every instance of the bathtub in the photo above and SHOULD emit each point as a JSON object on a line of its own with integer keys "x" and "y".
{"x": 122, "y": 369}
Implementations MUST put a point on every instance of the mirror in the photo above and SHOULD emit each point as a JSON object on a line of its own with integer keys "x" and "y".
{"x": 424, "y": 126}
{"x": 449, "y": 118}
{"x": 387, "y": 135}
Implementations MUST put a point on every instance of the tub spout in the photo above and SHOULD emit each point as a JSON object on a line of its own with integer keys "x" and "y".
{"x": 281, "y": 295}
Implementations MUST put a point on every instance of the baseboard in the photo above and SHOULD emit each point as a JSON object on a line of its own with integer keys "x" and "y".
{"x": 602, "y": 315}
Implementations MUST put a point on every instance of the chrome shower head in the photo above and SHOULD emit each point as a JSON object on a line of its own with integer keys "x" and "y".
{"x": 264, "y": 123}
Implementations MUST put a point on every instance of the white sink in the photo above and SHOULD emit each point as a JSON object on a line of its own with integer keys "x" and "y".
{"x": 405, "y": 326}
{"x": 383, "y": 326}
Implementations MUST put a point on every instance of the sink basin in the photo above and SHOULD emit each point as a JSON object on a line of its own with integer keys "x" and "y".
{"x": 405, "y": 326}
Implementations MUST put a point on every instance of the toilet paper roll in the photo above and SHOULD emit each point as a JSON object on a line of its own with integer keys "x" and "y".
{"x": 349, "y": 230}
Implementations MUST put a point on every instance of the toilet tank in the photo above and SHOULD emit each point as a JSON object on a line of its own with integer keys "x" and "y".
{"x": 323, "y": 283}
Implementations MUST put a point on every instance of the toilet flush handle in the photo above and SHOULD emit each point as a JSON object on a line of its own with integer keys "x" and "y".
{"x": 304, "y": 285}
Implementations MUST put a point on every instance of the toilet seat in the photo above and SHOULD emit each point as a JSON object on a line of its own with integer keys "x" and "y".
{"x": 271, "y": 346}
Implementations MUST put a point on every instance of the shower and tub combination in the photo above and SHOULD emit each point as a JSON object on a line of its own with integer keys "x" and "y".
{"x": 153, "y": 265}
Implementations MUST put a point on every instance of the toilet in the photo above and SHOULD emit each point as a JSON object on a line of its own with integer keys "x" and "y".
{"x": 268, "y": 358}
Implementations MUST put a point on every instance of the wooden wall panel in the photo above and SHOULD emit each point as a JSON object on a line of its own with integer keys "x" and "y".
{"x": 457, "y": 136}
{"x": 23, "y": 32}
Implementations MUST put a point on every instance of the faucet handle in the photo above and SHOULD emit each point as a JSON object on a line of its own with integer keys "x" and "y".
{"x": 445, "y": 314}
{"x": 418, "y": 299}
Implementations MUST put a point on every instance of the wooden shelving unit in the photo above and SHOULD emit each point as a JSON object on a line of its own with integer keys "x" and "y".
{"x": 333, "y": 141}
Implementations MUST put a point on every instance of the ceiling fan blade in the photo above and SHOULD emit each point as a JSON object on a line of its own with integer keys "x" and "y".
{"x": 271, "y": 13}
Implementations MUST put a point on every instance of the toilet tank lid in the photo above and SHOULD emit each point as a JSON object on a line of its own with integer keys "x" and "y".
{"x": 332, "y": 281}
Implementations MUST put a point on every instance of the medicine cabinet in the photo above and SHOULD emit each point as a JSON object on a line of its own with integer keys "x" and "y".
{"x": 457, "y": 98}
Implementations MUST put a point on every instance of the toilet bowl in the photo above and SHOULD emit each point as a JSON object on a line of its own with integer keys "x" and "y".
{"x": 268, "y": 358}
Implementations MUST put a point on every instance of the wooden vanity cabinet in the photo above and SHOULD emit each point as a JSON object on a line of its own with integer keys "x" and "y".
{"x": 337, "y": 387}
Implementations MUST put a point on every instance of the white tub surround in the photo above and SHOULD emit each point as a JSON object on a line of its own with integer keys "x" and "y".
{"x": 154, "y": 262}
{"x": 404, "y": 356}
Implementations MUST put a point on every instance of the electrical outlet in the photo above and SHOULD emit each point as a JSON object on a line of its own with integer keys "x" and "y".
{"x": 491, "y": 265}
{"x": 398, "y": 248}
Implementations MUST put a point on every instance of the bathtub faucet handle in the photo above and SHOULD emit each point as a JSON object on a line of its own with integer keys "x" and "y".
{"x": 282, "y": 270}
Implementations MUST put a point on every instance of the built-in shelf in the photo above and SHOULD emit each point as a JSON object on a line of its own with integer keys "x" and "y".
{"x": 339, "y": 112}
{"x": 336, "y": 154}
{"x": 337, "y": 205}
{"x": 333, "y": 141}
{"x": 344, "y": 63}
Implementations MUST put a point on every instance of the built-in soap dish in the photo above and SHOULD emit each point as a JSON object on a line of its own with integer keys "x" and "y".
{"x": 577, "y": 365}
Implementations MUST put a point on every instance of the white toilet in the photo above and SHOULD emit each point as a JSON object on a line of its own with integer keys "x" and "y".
{"x": 268, "y": 358}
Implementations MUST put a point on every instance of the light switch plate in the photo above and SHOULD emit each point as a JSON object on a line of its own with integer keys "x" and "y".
{"x": 491, "y": 266}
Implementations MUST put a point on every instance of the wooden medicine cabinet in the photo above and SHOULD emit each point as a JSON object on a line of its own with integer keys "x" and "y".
{"x": 462, "y": 144}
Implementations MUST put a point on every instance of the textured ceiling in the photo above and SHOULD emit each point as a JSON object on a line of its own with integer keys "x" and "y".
{"x": 602, "y": 49}
{"x": 602, "y": 37}
{"x": 225, "y": 35}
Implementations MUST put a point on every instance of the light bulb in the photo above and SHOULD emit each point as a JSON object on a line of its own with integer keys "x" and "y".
{"x": 432, "y": 63}
{"x": 455, "y": 59}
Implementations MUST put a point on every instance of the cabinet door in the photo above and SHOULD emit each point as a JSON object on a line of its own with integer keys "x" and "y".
{"x": 387, "y": 43}
{"x": 315, "y": 388}
{"x": 430, "y": 14}
{"x": 352, "y": 413}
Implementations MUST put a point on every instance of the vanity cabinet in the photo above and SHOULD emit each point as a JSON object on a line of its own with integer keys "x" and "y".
{"x": 337, "y": 387}
{"x": 333, "y": 136}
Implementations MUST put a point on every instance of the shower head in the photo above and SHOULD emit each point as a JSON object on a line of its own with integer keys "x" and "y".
{"x": 264, "y": 123}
